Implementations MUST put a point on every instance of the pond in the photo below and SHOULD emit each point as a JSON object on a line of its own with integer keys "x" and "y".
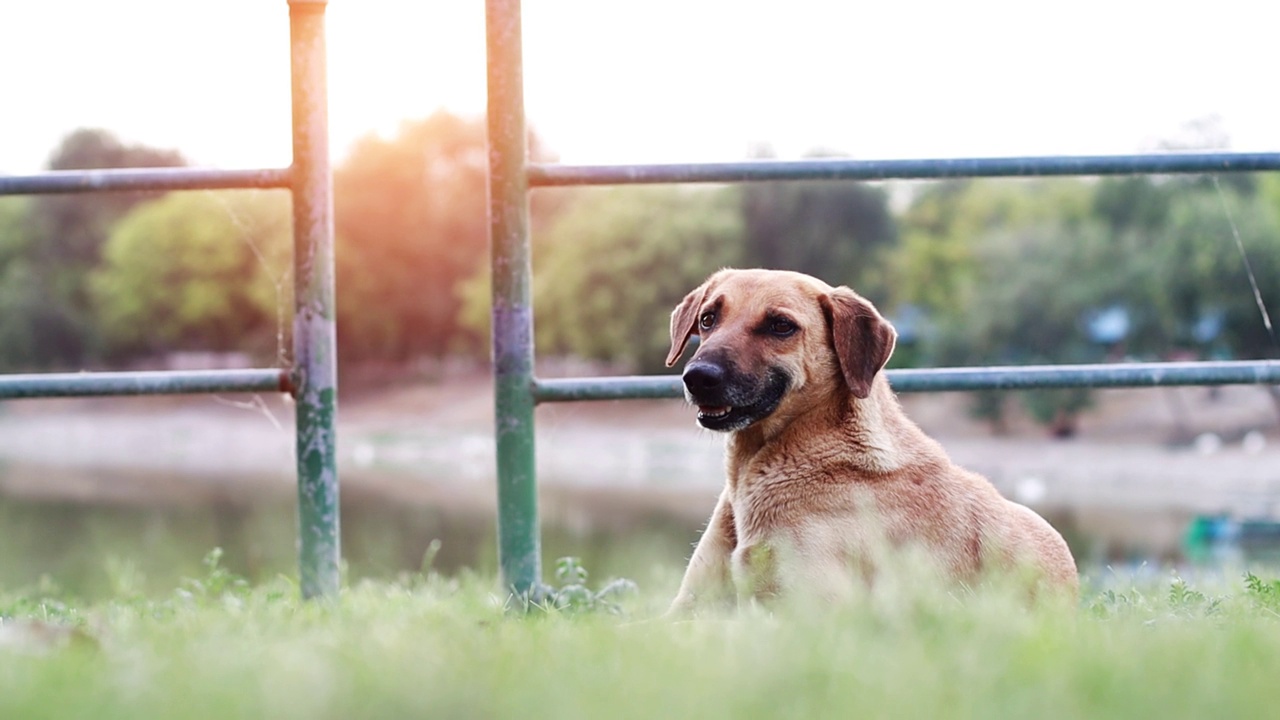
{"x": 94, "y": 491}
{"x": 86, "y": 548}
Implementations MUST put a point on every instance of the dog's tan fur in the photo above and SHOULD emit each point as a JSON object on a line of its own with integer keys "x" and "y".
{"x": 820, "y": 488}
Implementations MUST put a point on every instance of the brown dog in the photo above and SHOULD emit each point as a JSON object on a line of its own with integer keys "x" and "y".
{"x": 825, "y": 473}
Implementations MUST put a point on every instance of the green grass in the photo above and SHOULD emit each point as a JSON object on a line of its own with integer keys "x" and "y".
{"x": 430, "y": 646}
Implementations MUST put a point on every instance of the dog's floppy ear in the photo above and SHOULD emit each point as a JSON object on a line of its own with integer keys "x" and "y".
{"x": 862, "y": 338}
{"x": 684, "y": 321}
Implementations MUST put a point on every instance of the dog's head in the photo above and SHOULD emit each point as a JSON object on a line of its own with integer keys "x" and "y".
{"x": 773, "y": 340}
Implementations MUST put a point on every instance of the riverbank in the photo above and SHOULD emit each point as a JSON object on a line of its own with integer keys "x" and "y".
{"x": 1123, "y": 479}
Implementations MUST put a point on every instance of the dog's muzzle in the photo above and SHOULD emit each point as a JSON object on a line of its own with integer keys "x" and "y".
{"x": 728, "y": 400}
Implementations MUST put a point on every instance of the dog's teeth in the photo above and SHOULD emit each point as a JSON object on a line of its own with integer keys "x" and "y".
{"x": 714, "y": 411}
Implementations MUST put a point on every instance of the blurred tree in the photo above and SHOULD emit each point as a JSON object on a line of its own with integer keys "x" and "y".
{"x": 961, "y": 262}
{"x": 1135, "y": 203}
{"x": 198, "y": 271}
{"x": 1191, "y": 289}
{"x": 1211, "y": 240}
{"x": 20, "y": 294}
{"x": 935, "y": 266}
{"x": 66, "y": 237}
{"x": 618, "y": 260}
{"x": 14, "y": 234}
{"x": 475, "y": 292}
{"x": 1269, "y": 189}
{"x": 1021, "y": 278}
{"x": 1032, "y": 294}
{"x": 837, "y": 231}
{"x": 412, "y": 225}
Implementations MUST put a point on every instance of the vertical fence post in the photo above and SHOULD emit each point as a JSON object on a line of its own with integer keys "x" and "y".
{"x": 315, "y": 365}
{"x": 518, "y": 540}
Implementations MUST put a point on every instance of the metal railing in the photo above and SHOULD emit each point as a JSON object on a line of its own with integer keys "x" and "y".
{"x": 312, "y": 378}
{"x": 518, "y": 390}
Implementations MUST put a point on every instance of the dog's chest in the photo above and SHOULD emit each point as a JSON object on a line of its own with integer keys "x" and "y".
{"x": 773, "y": 491}
{"x": 782, "y": 529}
{"x": 832, "y": 510}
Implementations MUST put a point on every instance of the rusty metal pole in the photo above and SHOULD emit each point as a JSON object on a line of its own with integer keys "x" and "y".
{"x": 315, "y": 363}
{"x": 518, "y": 535}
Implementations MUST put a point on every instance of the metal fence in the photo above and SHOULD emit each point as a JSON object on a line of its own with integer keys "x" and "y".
{"x": 312, "y": 376}
{"x": 518, "y": 390}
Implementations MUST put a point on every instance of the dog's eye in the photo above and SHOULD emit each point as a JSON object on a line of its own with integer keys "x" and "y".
{"x": 707, "y": 320}
{"x": 782, "y": 328}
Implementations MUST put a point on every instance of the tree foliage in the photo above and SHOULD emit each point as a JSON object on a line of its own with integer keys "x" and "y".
{"x": 1016, "y": 272}
{"x": 412, "y": 226}
{"x": 13, "y": 231}
{"x": 197, "y": 271}
{"x": 65, "y": 238}
{"x": 837, "y": 231}
{"x": 20, "y": 294}
{"x": 1001, "y": 271}
{"x": 618, "y": 260}
{"x": 936, "y": 268}
{"x": 1187, "y": 245}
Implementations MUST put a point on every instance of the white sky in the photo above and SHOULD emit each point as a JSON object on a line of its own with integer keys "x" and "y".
{"x": 658, "y": 80}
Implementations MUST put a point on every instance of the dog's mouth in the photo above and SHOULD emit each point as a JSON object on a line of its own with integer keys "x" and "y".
{"x": 727, "y": 418}
{"x": 713, "y": 413}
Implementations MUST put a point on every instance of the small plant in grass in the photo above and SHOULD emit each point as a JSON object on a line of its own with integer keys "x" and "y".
{"x": 1181, "y": 599}
{"x": 1187, "y": 600}
{"x": 217, "y": 582}
{"x": 571, "y": 594}
{"x": 38, "y": 608}
{"x": 1263, "y": 592}
{"x": 574, "y": 595}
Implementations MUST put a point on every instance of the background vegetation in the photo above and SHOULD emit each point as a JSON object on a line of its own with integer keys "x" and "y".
{"x": 972, "y": 272}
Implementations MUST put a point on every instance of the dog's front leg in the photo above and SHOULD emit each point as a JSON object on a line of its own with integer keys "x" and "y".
{"x": 707, "y": 580}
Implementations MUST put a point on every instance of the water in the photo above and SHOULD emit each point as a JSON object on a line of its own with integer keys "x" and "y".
{"x": 91, "y": 491}
{"x": 85, "y": 548}
{"x": 89, "y": 548}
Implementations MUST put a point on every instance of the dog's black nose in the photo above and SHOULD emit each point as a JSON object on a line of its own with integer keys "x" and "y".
{"x": 702, "y": 378}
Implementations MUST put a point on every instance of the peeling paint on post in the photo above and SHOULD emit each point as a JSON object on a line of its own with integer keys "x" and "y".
{"x": 315, "y": 365}
{"x": 518, "y": 535}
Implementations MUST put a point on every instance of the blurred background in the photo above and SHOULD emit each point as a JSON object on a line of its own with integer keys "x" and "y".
{"x": 971, "y": 272}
